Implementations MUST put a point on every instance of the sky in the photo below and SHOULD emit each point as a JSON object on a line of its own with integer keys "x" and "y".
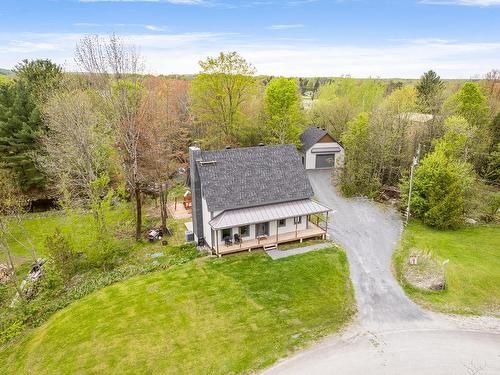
{"x": 360, "y": 38}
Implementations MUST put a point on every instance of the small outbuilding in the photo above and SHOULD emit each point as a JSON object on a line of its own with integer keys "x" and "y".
{"x": 320, "y": 150}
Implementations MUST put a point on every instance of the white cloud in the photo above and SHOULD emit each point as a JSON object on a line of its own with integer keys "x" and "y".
{"x": 286, "y": 26}
{"x": 479, "y": 3}
{"x": 180, "y": 53}
{"x": 154, "y": 28}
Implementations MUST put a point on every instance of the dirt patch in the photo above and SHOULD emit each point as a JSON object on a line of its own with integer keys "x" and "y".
{"x": 423, "y": 271}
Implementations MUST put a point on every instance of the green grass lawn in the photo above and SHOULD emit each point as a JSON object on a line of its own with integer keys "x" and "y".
{"x": 77, "y": 226}
{"x": 34, "y": 228}
{"x": 212, "y": 316}
{"x": 473, "y": 271}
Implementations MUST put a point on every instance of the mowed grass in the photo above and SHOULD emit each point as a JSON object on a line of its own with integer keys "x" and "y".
{"x": 211, "y": 316}
{"x": 473, "y": 271}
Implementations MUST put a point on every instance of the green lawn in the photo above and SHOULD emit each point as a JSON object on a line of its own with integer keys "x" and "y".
{"x": 473, "y": 271}
{"x": 213, "y": 316}
{"x": 77, "y": 226}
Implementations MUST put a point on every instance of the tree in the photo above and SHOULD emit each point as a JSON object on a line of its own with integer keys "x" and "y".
{"x": 284, "y": 118}
{"x": 21, "y": 124}
{"x": 42, "y": 78}
{"x": 113, "y": 68}
{"x": 343, "y": 99}
{"x": 219, "y": 92}
{"x": 491, "y": 86}
{"x": 358, "y": 176}
{"x": 440, "y": 185}
{"x": 471, "y": 104}
{"x": 429, "y": 91}
{"x": 394, "y": 135}
{"x": 166, "y": 139}
{"x": 128, "y": 112}
{"x": 76, "y": 147}
{"x": 456, "y": 142}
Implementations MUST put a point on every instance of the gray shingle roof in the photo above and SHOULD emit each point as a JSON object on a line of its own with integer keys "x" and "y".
{"x": 246, "y": 177}
{"x": 310, "y": 137}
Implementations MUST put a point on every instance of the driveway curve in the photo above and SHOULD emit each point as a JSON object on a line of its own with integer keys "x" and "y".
{"x": 391, "y": 334}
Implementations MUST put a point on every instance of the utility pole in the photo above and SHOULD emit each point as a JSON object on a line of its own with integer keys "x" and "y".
{"x": 413, "y": 165}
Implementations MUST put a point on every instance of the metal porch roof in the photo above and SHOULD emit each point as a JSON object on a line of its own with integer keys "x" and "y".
{"x": 270, "y": 212}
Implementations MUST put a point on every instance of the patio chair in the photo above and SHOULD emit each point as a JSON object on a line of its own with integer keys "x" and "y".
{"x": 237, "y": 238}
{"x": 228, "y": 241}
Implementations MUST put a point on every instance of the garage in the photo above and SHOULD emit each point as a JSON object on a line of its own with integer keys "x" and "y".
{"x": 325, "y": 160}
{"x": 320, "y": 151}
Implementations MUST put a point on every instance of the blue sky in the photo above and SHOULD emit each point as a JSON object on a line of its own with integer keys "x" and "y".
{"x": 386, "y": 38}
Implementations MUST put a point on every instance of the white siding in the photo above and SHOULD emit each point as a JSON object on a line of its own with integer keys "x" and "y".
{"x": 311, "y": 158}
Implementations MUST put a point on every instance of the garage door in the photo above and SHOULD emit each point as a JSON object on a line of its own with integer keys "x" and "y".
{"x": 325, "y": 161}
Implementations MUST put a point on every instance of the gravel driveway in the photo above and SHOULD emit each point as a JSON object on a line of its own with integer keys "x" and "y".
{"x": 391, "y": 334}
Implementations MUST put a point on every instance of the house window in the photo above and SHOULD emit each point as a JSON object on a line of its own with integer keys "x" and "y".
{"x": 281, "y": 223}
{"x": 244, "y": 231}
{"x": 226, "y": 233}
{"x": 297, "y": 219}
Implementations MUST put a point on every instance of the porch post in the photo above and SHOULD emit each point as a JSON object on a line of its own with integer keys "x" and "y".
{"x": 326, "y": 225}
{"x": 277, "y": 230}
{"x": 295, "y": 228}
{"x": 217, "y": 241}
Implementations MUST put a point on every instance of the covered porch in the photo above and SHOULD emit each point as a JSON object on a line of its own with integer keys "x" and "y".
{"x": 313, "y": 231}
{"x": 268, "y": 226}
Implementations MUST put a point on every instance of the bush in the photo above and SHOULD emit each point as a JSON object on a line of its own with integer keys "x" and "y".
{"x": 63, "y": 258}
{"x": 492, "y": 206}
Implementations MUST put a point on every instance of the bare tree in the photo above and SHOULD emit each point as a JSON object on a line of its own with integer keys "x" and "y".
{"x": 105, "y": 60}
{"x": 76, "y": 145}
{"x": 113, "y": 67}
{"x": 166, "y": 117}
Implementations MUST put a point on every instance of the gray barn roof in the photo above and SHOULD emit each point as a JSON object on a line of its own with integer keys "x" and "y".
{"x": 253, "y": 176}
{"x": 310, "y": 137}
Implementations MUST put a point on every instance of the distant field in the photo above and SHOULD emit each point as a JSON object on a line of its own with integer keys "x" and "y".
{"x": 473, "y": 271}
{"x": 213, "y": 316}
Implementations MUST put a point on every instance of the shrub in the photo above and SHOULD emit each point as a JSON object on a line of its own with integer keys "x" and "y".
{"x": 439, "y": 188}
{"x": 64, "y": 259}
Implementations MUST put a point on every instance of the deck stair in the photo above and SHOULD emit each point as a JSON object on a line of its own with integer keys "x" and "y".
{"x": 273, "y": 246}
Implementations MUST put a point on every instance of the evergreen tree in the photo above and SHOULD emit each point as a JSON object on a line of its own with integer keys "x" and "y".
{"x": 429, "y": 91}
{"x": 440, "y": 184}
{"x": 21, "y": 123}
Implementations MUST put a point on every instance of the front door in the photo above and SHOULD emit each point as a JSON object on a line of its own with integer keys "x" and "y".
{"x": 262, "y": 229}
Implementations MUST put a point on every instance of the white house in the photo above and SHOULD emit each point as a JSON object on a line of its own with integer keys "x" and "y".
{"x": 253, "y": 197}
{"x": 319, "y": 150}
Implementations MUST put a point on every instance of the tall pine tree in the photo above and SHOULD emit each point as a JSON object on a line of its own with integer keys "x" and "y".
{"x": 20, "y": 118}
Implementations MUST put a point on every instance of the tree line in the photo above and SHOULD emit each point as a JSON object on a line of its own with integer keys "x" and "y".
{"x": 111, "y": 129}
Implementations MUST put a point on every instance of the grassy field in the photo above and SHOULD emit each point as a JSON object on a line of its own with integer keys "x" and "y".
{"x": 231, "y": 315}
{"x": 473, "y": 271}
{"x": 78, "y": 227}
{"x": 34, "y": 228}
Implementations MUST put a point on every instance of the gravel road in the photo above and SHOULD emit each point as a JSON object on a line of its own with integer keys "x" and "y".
{"x": 391, "y": 334}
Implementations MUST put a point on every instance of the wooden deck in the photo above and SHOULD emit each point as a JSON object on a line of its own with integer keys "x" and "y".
{"x": 313, "y": 231}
